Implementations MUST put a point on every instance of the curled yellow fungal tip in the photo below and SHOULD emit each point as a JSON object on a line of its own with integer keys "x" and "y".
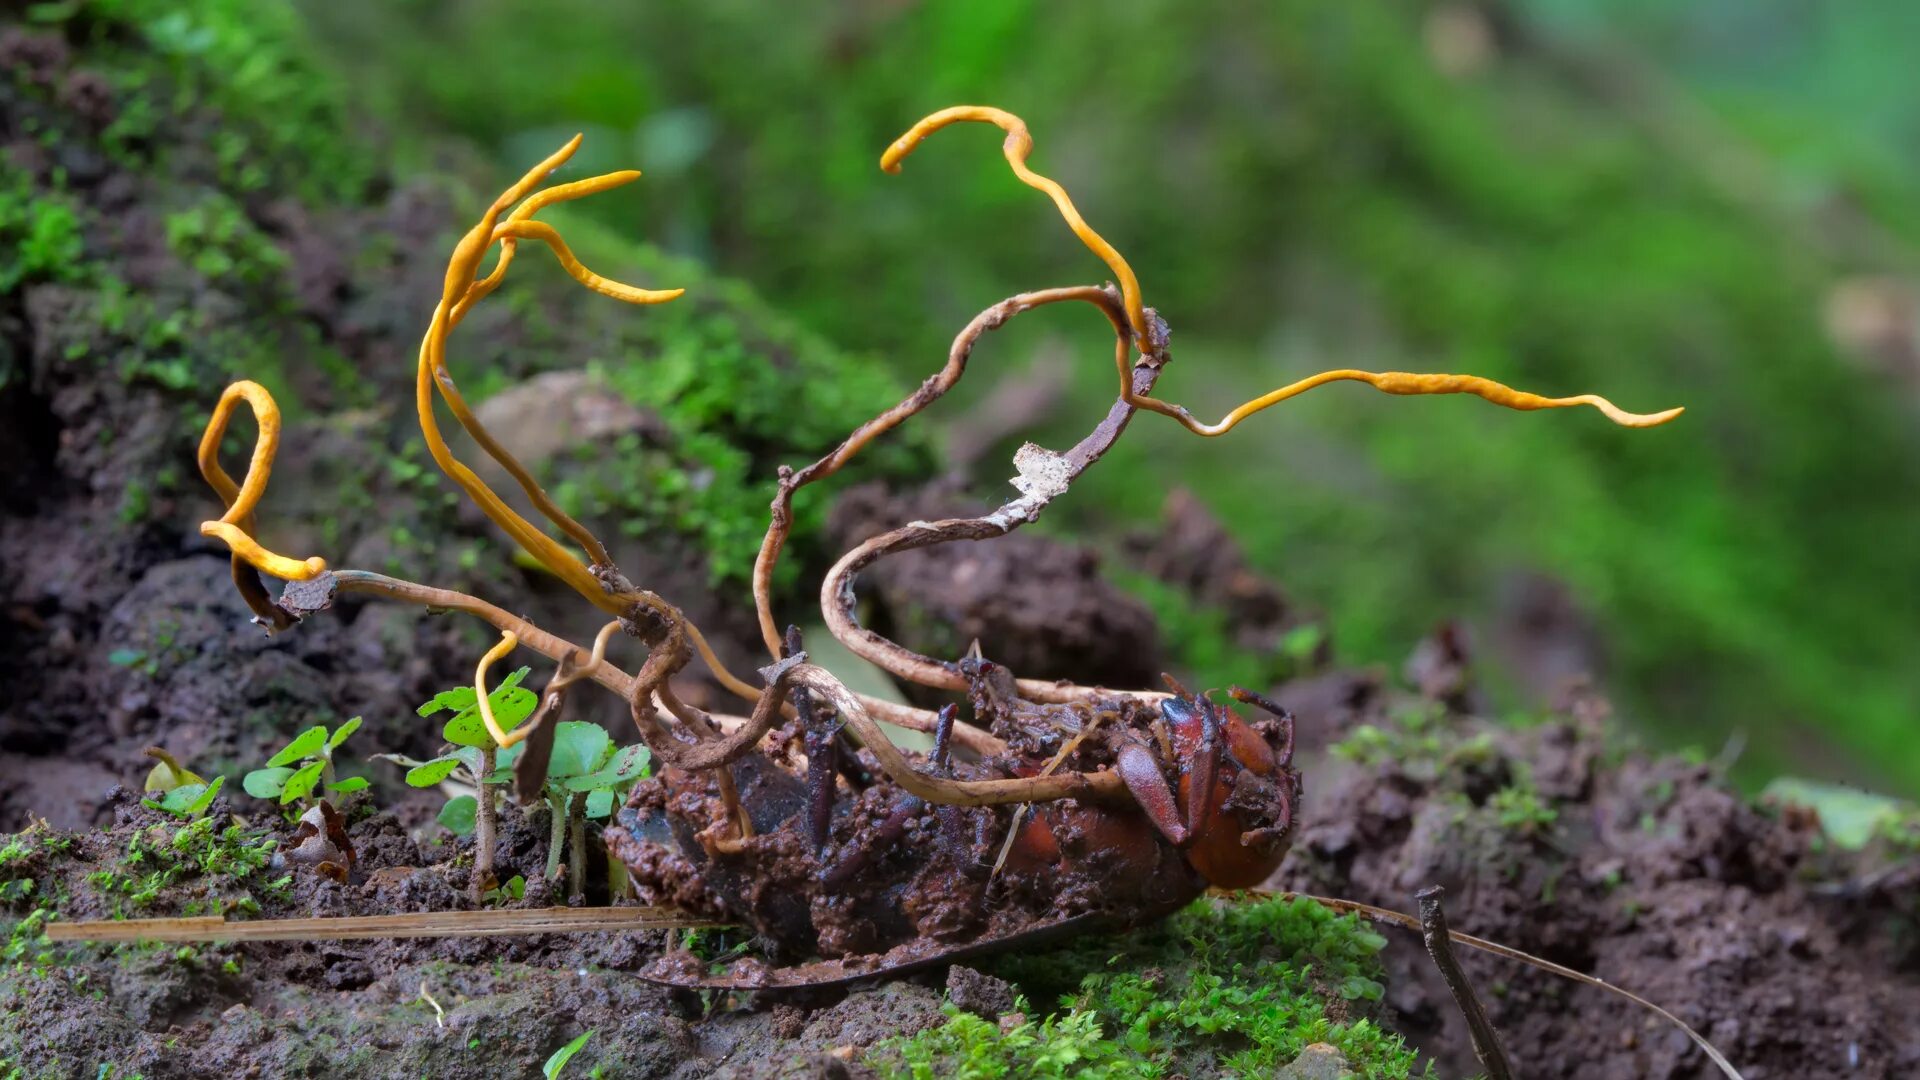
{"x": 1016, "y": 147}
{"x": 545, "y": 233}
{"x": 508, "y": 642}
{"x": 235, "y": 527}
{"x": 249, "y": 549}
{"x": 240, "y": 499}
{"x": 1410, "y": 383}
{"x": 461, "y": 292}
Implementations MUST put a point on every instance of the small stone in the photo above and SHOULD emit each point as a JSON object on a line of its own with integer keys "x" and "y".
{"x": 348, "y": 974}
{"x": 789, "y": 1021}
{"x": 1317, "y": 1062}
{"x": 978, "y": 993}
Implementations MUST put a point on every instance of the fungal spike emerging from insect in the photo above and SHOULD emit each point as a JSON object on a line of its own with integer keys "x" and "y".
{"x": 1409, "y": 383}
{"x": 235, "y": 527}
{"x": 460, "y": 292}
{"x": 1149, "y": 336}
{"x": 1016, "y": 147}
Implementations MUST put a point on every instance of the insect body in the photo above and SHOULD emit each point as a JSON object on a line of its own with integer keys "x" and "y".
{"x": 844, "y": 863}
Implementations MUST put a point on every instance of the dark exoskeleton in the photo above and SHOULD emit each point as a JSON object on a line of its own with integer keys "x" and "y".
{"x": 844, "y": 863}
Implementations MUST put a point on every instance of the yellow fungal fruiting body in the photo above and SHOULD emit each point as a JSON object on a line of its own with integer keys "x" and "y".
{"x": 672, "y": 638}
{"x": 1019, "y": 145}
{"x": 236, "y": 526}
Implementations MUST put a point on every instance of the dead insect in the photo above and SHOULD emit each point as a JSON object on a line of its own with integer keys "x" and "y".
{"x": 844, "y": 862}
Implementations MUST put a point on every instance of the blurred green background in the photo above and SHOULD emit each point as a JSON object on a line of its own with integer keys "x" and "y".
{"x": 1709, "y": 204}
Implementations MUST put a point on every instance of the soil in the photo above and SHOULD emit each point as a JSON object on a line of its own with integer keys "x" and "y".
{"x": 120, "y": 629}
{"x": 1655, "y": 875}
{"x": 1041, "y": 607}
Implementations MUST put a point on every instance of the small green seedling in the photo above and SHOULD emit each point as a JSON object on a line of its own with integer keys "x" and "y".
{"x": 304, "y": 766}
{"x": 514, "y": 888}
{"x": 551, "y": 1070}
{"x": 585, "y": 777}
{"x": 586, "y": 773}
{"x": 181, "y": 791}
{"x": 472, "y": 762}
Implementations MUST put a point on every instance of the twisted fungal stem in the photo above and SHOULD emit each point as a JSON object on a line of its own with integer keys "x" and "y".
{"x": 460, "y": 291}
{"x": 508, "y": 641}
{"x": 1017, "y": 146}
{"x": 1149, "y": 333}
{"x": 235, "y": 527}
{"x": 1104, "y": 785}
{"x": 1044, "y": 477}
{"x": 780, "y": 524}
{"x": 1409, "y": 383}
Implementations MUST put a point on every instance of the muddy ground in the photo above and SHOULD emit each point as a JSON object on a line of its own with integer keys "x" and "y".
{"x": 119, "y": 630}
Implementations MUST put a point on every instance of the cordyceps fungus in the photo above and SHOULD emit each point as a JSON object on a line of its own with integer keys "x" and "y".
{"x": 1056, "y": 806}
{"x": 1150, "y": 333}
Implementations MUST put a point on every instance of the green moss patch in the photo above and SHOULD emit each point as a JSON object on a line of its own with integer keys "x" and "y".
{"x": 1226, "y": 987}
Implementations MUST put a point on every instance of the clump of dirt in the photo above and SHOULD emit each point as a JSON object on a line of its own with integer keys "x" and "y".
{"x": 1649, "y": 872}
{"x": 1192, "y": 551}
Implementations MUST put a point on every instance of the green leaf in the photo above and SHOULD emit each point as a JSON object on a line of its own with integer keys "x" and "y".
{"x": 351, "y": 783}
{"x": 125, "y": 657}
{"x": 470, "y": 757}
{"x": 304, "y": 745}
{"x": 628, "y": 765}
{"x": 511, "y": 705}
{"x": 458, "y": 814}
{"x": 301, "y": 784}
{"x": 1849, "y": 816}
{"x": 432, "y": 772}
{"x": 563, "y": 1055}
{"x": 599, "y": 803}
{"x": 462, "y": 698}
{"x": 340, "y": 733}
{"x": 187, "y": 800}
{"x": 579, "y": 748}
{"x": 457, "y": 699}
{"x": 266, "y": 783}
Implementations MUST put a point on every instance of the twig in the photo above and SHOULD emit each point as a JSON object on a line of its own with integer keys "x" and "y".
{"x": 485, "y": 923}
{"x": 1486, "y": 1041}
{"x": 439, "y": 1014}
{"x": 1402, "y": 919}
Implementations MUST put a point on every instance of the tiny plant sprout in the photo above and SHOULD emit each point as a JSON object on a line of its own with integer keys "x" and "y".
{"x": 514, "y": 888}
{"x": 558, "y": 1061}
{"x": 181, "y": 792}
{"x": 304, "y": 766}
{"x": 473, "y": 758}
{"x": 584, "y": 777}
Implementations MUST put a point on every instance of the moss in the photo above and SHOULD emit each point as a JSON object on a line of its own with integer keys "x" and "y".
{"x": 1224, "y": 988}
{"x": 738, "y": 390}
{"x": 40, "y": 237}
{"x": 269, "y": 118}
{"x": 230, "y": 866}
{"x": 1419, "y": 740}
{"x": 217, "y": 240}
